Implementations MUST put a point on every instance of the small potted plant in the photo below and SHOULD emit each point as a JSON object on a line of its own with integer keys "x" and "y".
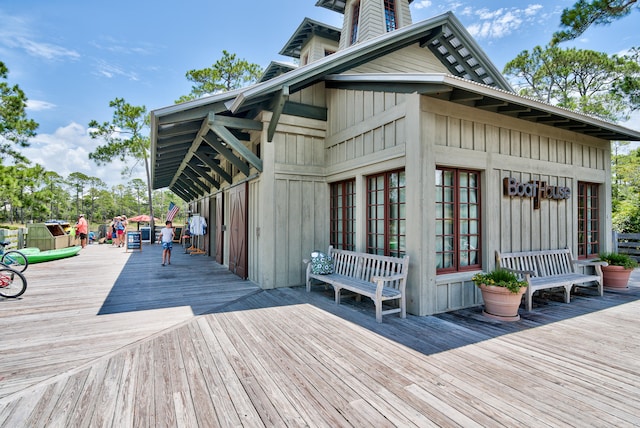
{"x": 616, "y": 274}
{"x": 502, "y": 293}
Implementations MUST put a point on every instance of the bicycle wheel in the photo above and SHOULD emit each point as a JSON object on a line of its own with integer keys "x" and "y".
{"x": 15, "y": 260}
{"x": 12, "y": 283}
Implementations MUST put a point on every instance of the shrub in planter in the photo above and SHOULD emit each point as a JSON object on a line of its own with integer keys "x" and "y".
{"x": 502, "y": 293}
{"x": 618, "y": 271}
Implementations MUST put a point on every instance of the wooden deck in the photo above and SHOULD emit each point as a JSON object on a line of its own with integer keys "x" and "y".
{"x": 110, "y": 338}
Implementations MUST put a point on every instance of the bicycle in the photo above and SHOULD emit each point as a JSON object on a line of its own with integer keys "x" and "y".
{"x": 12, "y": 283}
{"x": 13, "y": 259}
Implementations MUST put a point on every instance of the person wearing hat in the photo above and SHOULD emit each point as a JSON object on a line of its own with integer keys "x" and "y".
{"x": 82, "y": 230}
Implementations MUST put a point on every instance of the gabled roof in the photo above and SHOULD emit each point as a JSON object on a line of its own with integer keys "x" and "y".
{"x": 188, "y": 140}
{"x": 336, "y": 5}
{"x": 484, "y": 97}
{"x": 308, "y": 29}
{"x": 443, "y": 35}
{"x": 275, "y": 69}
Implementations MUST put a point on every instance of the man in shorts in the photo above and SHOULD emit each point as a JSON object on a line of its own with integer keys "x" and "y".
{"x": 166, "y": 238}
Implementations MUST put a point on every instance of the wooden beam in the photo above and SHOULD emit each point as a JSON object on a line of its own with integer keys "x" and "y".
{"x": 196, "y": 179}
{"x": 236, "y": 123}
{"x": 212, "y": 140}
{"x": 204, "y": 174}
{"x": 226, "y": 136}
{"x": 204, "y": 129}
{"x": 214, "y": 166}
{"x": 305, "y": 110}
{"x": 281, "y": 99}
{"x": 190, "y": 187}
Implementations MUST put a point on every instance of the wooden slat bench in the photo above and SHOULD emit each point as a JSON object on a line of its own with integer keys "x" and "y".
{"x": 381, "y": 278}
{"x": 546, "y": 269}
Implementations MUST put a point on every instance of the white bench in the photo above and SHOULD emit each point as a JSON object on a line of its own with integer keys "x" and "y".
{"x": 380, "y": 278}
{"x": 549, "y": 269}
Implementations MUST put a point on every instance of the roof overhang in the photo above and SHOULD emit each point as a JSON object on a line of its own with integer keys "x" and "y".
{"x": 336, "y": 5}
{"x": 305, "y": 31}
{"x": 472, "y": 94}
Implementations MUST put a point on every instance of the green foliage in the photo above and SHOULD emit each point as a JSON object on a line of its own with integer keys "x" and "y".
{"x": 615, "y": 259}
{"x": 125, "y": 138}
{"x": 585, "y": 13}
{"x": 499, "y": 278}
{"x": 15, "y": 127}
{"x": 587, "y": 81}
{"x": 226, "y": 74}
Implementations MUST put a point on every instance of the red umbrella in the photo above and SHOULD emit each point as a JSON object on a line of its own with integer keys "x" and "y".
{"x": 142, "y": 218}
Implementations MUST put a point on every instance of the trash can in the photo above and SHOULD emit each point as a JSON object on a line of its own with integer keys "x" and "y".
{"x": 47, "y": 236}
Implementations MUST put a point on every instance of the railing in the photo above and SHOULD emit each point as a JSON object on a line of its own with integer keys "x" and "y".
{"x": 16, "y": 236}
{"x": 627, "y": 243}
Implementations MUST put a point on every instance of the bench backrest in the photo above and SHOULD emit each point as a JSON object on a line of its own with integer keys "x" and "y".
{"x": 364, "y": 266}
{"x": 542, "y": 263}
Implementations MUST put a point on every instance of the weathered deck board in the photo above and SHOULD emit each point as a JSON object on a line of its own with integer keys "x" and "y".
{"x": 127, "y": 348}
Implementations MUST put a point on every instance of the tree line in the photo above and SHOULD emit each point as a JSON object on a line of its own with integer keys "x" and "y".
{"x": 593, "y": 83}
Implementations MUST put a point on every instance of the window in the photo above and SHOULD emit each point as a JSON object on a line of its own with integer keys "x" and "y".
{"x": 390, "y": 15}
{"x": 588, "y": 220}
{"x": 458, "y": 239}
{"x": 386, "y": 214}
{"x": 355, "y": 17}
{"x": 343, "y": 222}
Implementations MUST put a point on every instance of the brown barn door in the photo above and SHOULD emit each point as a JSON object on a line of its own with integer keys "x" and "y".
{"x": 238, "y": 250}
{"x": 219, "y": 231}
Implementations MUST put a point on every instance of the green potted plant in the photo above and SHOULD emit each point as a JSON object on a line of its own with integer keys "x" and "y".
{"x": 502, "y": 293}
{"x": 620, "y": 266}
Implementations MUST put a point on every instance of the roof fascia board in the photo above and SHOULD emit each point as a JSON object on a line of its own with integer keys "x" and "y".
{"x": 381, "y": 45}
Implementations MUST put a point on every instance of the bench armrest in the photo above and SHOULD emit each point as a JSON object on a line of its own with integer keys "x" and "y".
{"x": 590, "y": 263}
{"x": 380, "y": 280}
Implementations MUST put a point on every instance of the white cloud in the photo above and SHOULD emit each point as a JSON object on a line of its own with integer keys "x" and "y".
{"x": 38, "y": 105}
{"x": 499, "y": 23}
{"x": 423, "y": 4}
{"x": 110, "y": 71}
{"x": 15, "y": 33}
{"x": 67, "y": 150}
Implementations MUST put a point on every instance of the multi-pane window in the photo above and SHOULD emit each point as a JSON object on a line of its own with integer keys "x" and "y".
{"x": 390, "y": 15}
{"x": 355, "y": 19}
{"x": 386, "y": 214}
{"x": 588, "y": 220}
{"x": 458, "y": 239}
{"x": 343, "y": 221}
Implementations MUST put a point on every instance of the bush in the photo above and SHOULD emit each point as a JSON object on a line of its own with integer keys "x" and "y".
{"x": 616, "y": 259}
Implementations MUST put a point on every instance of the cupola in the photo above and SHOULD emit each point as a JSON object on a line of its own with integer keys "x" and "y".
{"x": 366, "y": 19}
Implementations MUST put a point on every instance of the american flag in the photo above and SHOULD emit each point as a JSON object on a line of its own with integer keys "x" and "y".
{"x": 173, "y": 210}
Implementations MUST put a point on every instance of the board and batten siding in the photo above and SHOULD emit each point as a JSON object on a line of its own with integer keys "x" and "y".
{"x": 362, "y": 125}
{"x": 499, "y": 147}
{"x": 293, "y": 218}
{"x": 317, "y": 48}
{"x": 412, "y": 59}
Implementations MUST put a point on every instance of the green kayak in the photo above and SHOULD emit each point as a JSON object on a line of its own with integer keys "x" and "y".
{"x": 34, "y": 255}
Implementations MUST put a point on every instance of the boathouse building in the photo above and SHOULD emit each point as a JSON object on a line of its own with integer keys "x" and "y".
{"x": 388, "y": 137}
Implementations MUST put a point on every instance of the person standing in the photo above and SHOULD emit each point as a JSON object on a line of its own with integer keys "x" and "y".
{"x": 82, "y": 230}
{"x": 166, "y": 238}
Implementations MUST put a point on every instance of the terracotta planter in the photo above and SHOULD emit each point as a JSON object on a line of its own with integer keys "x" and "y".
{"x": 615, "y": 276}
{"x": 500, "y": 303}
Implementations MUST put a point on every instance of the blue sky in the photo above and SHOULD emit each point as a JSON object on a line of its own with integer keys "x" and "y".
{"x": 72, "y": 57}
